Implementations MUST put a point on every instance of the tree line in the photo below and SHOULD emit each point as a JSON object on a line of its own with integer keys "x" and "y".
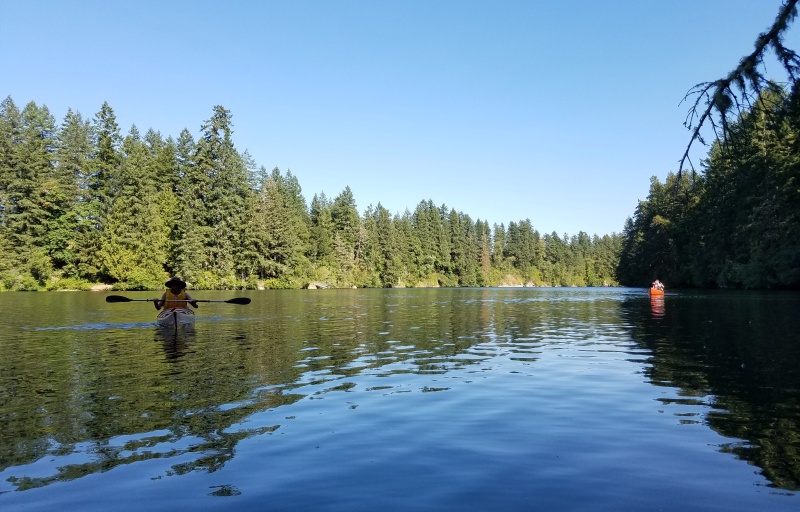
{"x": 736, "y": 224}
{"x": 81, "y": 204}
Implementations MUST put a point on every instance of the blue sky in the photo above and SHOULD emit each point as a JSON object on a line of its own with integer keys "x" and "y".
{"x": 559, "y": 112}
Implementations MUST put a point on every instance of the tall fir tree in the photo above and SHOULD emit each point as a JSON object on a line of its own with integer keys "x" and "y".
{"x": 75, "y": 154}
{"x": 10, "y": 124}
{"x": 284, "y": 224}
{"x": 134, "y": 242}
{"x": 346, "y": 232}
{"x": 36, "y": 196}
{"x": 321, "y": 250}
{"x": 96, "y": 197}
{"x": 389, "y": 256}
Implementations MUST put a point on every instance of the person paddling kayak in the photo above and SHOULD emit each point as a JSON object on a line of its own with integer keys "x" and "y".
{"x": 176, "y": 292}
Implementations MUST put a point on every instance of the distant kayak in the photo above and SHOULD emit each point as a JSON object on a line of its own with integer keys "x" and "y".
{"x": 175, "y": 317}
{"x": 656, "y": 291}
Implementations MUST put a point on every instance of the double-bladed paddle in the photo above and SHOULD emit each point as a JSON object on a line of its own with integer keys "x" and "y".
{"x": 120, "y": 298}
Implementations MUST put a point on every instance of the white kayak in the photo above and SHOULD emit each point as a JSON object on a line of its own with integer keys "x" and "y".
{"x": 175, "y": 317}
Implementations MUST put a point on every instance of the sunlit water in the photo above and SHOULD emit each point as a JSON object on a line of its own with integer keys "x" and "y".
{"x": 433, "y": 399}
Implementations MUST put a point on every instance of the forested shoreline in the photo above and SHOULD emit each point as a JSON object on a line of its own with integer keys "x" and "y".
{"x": 81, "y": 204}
{"x": 737, "y": 223}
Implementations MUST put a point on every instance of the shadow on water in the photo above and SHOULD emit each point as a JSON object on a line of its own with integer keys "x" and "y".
{"x": 736, "y": 355}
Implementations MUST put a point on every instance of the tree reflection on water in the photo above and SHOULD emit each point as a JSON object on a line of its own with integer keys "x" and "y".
{"x": 737, "y": 354}
{"x": 75, "y": 402}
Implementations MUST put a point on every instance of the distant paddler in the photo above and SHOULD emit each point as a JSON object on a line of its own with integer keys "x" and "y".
{"x": 175, "y": 296}
{"x": 657, "y": 288}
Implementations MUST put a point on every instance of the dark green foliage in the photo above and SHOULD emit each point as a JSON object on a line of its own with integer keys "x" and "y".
{"x": 738, "y": 225}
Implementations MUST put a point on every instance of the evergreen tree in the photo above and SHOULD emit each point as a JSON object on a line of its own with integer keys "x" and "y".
{"x": 75, "y": 154}
{"x": 188, "y": 230}
{"x": 730, "y": 97}
{"x": 279, "y": 231}
{"x": 442, "y": 237}
{"x": 499, "y": 247}
{"x": 556, "y": 259}
{"x": 427, "y": 226}
{"x": 346, "y": 232}
{"x": 134, "y": 243}
{"x": 10, "y": 135}
{"x": 228, "y": 188}
{"x": 35, "y": 194}
{"x": 484, "y": 241}
{"x": 458, "y": 248}
{"x": 215, "y": 191}
{"x": 321, "y": 249}
{"x": 388, "y": 257}
{"x": 254, "y": 262}
{"x": 163, "y": 156}
{"x": 367, "y": 260}
{"x": 408, "y": 244}
{"x": 96, "y": 193}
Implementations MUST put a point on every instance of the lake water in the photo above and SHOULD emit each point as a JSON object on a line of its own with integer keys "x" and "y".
{"x": 406, "y": 399}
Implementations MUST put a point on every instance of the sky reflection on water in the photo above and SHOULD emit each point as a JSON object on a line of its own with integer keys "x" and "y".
{"x": 445, "y": 399}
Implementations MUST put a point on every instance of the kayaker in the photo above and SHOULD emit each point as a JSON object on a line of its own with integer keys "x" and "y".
{"x": 176, "y": 291}
{"x": 658, "y": 285}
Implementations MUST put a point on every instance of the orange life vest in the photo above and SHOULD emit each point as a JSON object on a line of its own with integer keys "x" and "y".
{"x": 170, "y": 300}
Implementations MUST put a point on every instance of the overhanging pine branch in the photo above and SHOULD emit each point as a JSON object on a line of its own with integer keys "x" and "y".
{"x": 719, "y": 95}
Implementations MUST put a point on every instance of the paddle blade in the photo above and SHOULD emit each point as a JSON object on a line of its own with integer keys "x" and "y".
{"x": 117, "y": 298}
{"x": 239, "y": 300}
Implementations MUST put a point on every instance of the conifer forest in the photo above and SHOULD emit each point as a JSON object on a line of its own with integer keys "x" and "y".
{"x": 82, "y": 204}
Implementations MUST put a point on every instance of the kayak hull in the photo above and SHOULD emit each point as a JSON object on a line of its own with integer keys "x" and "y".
{"x": 175, "y": 316}
{"x": 654, "y": 291}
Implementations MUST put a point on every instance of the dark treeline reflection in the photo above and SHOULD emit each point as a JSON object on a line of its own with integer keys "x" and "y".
{"x": 81, "y": 397}
{"x": 738, "y": 354}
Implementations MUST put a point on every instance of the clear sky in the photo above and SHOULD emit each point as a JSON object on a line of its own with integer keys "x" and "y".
{"x": 555, "y": 111}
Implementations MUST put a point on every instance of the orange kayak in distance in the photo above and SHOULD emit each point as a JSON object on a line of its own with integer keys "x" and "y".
{"x": 655, "y": 291}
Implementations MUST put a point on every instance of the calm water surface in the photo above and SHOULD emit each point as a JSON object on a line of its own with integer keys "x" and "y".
{"x": 433, "y": 399}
